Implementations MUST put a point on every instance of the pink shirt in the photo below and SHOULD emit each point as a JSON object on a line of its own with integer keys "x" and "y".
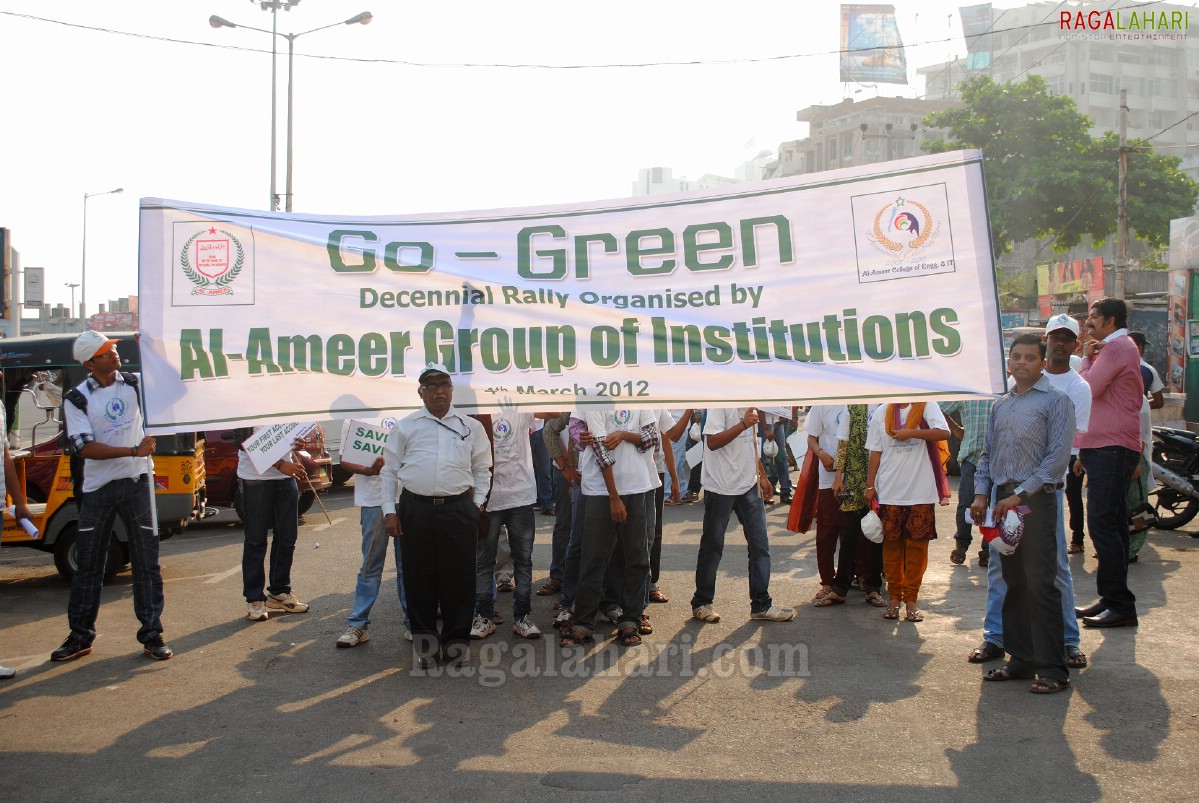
{"x": 1116, "y": 391}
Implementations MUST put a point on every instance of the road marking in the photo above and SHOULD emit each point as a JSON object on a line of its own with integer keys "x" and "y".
{"x": 216, "y": 578}
{"x": 319, "y": 527}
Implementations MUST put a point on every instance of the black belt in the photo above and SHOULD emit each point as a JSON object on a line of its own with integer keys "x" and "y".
{"x": 435, "y": 500}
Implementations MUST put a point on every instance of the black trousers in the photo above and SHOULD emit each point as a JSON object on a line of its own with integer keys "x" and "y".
{"x": 437, "y": 548}
{"x": 1074, "y": 502}
{"x": 1032, "y": 610}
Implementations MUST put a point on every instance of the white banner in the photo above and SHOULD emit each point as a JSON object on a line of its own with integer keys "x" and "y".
{"x": 870, "y": 283}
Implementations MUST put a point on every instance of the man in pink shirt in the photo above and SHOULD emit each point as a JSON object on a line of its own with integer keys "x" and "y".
{"x": 1109, "y": 451}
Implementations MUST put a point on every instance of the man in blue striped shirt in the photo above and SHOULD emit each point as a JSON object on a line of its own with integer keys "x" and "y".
{"x": 1025, "y": 459}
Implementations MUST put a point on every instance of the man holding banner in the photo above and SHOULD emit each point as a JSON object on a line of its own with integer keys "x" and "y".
{"x": 442, "y": 460}
{"x": 271, "y": 498}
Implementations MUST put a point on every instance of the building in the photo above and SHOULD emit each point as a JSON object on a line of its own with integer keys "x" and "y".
{"x": 852, "y": 133}
{"x": 1161, "y": 76}
{"x": 660, "y": 180}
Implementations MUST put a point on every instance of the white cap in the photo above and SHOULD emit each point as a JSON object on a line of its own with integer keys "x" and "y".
{"x": 90, "y": 343}
{"x": 432, "y": 368}
{"x": 1062, "y": 321}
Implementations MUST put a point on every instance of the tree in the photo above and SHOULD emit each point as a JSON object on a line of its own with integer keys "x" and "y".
{"x": 1047, "y": 177}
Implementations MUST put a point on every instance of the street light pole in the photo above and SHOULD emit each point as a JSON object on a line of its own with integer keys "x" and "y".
{"x": 363, "y": 18}
{"x": 72, "y": 285}
{"x": 83, "y": 264}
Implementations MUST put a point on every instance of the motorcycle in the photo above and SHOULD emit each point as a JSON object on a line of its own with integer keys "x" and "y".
{"x": 1176, "y": 467}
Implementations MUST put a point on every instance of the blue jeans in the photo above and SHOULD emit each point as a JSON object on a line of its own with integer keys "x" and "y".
{"x": 751, "y": 512}
{"x": 269, "y": 503}
{"x": 1109, "y": 471}
{"x": 1064, "y": 580}
{"x": 963, "y": 535}
{"x": 680, "y": 466}
{"x": 777, "y": 468}
{"x": 520, "y": 524}
{"x": 370, "y": 576}
{"x": 98, "y": 510}
{"x": 562, "y": 525}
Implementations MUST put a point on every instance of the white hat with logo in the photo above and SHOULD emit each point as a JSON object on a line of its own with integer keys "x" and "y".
{"x": 1062, "y": 321}
{"x": 91, "y": 344}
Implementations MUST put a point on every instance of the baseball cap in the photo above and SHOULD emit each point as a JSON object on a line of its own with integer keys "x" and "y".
{"x": 92, "y": 344}
{"x": 1139, "y": 338}
{"x": 430, "y": 369}
{"x": 1062, "y": 321}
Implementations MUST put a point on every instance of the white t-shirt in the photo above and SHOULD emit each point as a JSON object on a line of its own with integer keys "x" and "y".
{"x": 512, "y": 481}
{"x": 843, "y": 425}
{"x": 113, "y": 418}
{"x": 733, "y": 469}
{"x": 1079, "y": 392}
{"x": 824, "y": 421}
{"x": 634, "y": 471}
{"x": 905, "y": 473}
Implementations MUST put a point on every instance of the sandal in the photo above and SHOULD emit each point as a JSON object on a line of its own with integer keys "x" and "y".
{"x": 628, "y": 637}
{"x": 576, "y": 638}
{"x": 876, "y": 599}
{"x": 985, "y": 652}
{"x": 828, "y": 600}
{"x": 646, "y": 628}
{"x": 913, "y": 615}
{"x": 1005, "y": 672}
{"x": 822, "y": 593}
{"x": 658, "y": 596}
{"x": 1048, "y": 686}
{"x": 957, "y": 557}
{"x": 1075, "y": 658}
{"x": 892, "y": 612}
{"x": 1074, "y": 549}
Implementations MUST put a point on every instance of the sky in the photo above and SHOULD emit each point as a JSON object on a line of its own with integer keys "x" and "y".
{"x": 386, "y": 120}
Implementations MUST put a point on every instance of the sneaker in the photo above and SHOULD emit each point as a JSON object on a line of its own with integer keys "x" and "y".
{"x": 705, "y": 613}
{"x": 482, "y": 627}
{"x": 525, "y": 628}
{"x": 505, "y": 586}
{"x": 157, "y": 649}
{"x": 613, "y": 615}
{"x": 257, "y": 611}
{"x": 288, "y": 603}
{"x": 353, "y": 637}
{"x": 71, "y": 649}
{"x": 773, "y": 614}
{"x": 7, "y": 672}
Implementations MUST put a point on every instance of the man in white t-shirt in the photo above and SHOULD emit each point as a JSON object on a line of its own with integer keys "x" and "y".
{"x": 618, "y": 482}
{"x": 734, "y": 481}
{"x": 368, "y": 496}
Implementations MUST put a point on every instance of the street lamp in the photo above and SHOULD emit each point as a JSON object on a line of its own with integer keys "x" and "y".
{"x": 363, "y": 18}
{"x": 72, "y": 285}
{"x": 83, "y": 266}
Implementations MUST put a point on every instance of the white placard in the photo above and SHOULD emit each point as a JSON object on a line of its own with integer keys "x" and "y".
{"x": 363, "y": 443}
{"x": 798, "y": 441}
{"x": 273, "y": 443}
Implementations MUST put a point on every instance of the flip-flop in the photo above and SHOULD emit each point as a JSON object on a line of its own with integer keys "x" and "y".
{"x": 1075, "y": 658}
{"x": 1006, "y": 672}
{"x": 876, "y": 599}
{"x": 828, "y": 600}
{"x": 913, "y": 615}
{"x": 1048, "y": 686}
{"x": 892, "y": 612}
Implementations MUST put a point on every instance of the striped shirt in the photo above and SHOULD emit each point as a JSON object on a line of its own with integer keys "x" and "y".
{"x": 975, "y": 414}
{"x": 1116, "y": 392}
{"x": 1028, "y": 440}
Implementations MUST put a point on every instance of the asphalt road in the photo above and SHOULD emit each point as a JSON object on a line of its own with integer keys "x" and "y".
{"x": 837, "y": 704}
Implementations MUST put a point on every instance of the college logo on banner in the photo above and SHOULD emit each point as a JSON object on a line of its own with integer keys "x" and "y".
{"x": 899, "y": 234}
{"x": 213, "y": 265}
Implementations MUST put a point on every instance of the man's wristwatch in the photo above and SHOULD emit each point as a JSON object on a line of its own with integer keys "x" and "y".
{"x": 1021, "y": 492}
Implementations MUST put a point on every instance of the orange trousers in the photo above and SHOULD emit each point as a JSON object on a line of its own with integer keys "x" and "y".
{"x": 904, "y": 562}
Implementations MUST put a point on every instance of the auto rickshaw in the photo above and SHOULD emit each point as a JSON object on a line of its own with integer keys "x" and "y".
{"x": 36, "y": 371}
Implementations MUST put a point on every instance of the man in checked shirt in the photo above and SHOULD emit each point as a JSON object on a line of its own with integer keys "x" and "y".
{"x": 1025, "y": 459}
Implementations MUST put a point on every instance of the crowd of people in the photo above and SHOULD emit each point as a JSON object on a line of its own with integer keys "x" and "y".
{"x": 458, "y": 495}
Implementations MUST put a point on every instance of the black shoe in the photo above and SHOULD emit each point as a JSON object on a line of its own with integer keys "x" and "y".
{"x": 984, "y": 559}
{"x": 1110, "y": 618}
{"x": 1091, "y": 610}
{"x": 156, "y": 649}
{"x": 785, "y": 499}
{"x": 71, "y": 649}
